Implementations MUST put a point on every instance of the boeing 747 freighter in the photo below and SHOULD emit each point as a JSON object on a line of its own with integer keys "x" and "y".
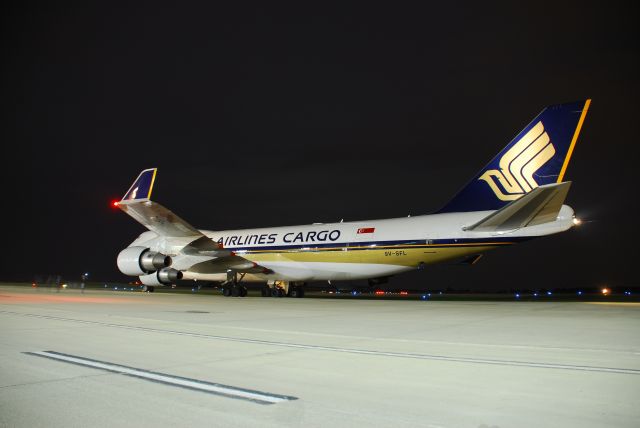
{"x": 517, "y": 196}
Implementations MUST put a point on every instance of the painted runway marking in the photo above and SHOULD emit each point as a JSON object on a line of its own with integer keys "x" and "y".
{"x": 183, "y": 382}
{"x": 344, "y": 350}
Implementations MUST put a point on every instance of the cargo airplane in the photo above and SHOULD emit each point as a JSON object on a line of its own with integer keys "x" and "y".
{"x": 517, "y": 196}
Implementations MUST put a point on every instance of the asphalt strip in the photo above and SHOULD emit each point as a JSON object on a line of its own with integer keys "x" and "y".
{"x": 346, "y": 350}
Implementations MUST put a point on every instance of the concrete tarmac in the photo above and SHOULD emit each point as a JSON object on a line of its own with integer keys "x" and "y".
{"x": 332, "y": 363}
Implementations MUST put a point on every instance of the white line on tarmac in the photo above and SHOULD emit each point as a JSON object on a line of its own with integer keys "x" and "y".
{"x": 345, "y": 350}
{"x": 198, "y": 385}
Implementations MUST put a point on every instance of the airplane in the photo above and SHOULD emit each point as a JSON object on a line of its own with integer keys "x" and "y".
{"x": 519, "y": 195}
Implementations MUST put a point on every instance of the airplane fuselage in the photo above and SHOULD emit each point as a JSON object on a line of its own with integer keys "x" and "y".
{"x": 361, "y": 249}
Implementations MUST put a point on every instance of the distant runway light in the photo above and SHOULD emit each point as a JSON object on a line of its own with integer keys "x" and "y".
{"x": 548, "y": 293}
{"x": 606, "y": 291}
{"x": 579, "y": 293}
{"x": 517, "y": 295}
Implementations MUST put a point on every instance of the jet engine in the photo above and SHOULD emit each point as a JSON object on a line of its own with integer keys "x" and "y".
{"x": 136, "y": 261}
{"x": 165, "y": 276}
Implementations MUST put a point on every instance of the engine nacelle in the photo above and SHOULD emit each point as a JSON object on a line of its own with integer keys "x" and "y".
{"x": 165, "y": 276}
{"x": 136, "y": 261}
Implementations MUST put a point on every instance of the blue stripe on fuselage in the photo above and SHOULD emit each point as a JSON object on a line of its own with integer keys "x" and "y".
{"x": 370, "y": 245}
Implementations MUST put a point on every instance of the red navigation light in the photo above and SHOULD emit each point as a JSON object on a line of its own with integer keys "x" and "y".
{"x": 115, "y": 204}
{"x": 404, "y": 293}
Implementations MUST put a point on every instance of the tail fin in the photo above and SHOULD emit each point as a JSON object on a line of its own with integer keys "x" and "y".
{"x": 538, "y": 155}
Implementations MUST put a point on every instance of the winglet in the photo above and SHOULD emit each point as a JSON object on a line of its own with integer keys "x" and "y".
{"x": 142, "y": 187}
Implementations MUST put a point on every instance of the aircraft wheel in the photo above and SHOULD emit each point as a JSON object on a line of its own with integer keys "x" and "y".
{"x": 300, "y": 292}
{"x": 266, "y": 291}
{"x": 280, "y": 293}
{"x": 243, "y": 291}
{"x": 226, "y": 292}
{"x": 294, "y": 292}
{"x": 151, "y": 289}
{"x": 235, "y": 291}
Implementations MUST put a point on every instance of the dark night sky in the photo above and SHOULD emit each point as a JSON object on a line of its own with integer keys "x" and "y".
{"x": 265, "y": 116}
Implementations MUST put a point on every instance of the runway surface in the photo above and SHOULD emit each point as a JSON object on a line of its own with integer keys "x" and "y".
{"x": 138, "y": 359}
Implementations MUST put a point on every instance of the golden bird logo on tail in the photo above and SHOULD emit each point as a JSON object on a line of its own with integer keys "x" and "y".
{"x": 519, "y": 164}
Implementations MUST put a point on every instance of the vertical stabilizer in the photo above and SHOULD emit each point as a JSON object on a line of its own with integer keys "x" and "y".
{"x": 537, "y": 156}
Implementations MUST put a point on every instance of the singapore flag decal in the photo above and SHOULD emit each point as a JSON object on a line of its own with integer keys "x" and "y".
{"x": 366, "y": 230}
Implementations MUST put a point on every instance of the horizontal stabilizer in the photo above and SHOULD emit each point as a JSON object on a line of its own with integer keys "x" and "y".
{"x": 541, "y": 205}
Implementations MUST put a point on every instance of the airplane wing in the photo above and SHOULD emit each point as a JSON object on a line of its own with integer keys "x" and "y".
{"x": 159, "y": 219}
{"x": 198, "y": 253}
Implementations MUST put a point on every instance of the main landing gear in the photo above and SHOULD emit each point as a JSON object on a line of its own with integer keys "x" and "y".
{"x": 234, "y": 290}
{"x": 282, "y": 289}
{"x": 232, "y": 287}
